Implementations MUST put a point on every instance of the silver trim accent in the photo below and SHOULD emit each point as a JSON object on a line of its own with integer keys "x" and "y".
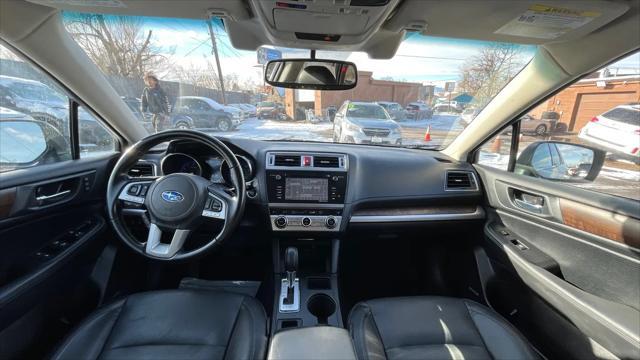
{"x": 306, "y": 206}
{"x": 156, "y": 248}
{"x": 318, "y": 223}
{"x": 53, "y": 196}
{"x": 222, "y": 214}
{"x": 477, "y": 214}
{"x": 172, "y": 154}
{"x": 473, "y": 175}
{"x": 289, "y": 308}
{"x": 343, "y": 161}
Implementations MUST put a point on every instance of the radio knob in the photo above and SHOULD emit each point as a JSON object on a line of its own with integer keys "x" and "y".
{"x": 281, "y": 222}
{"x": 306, "y": 221}
{"x": 330, "y": 222}
{"x": 278, "y": 177}
{"x": 335, "y": 178}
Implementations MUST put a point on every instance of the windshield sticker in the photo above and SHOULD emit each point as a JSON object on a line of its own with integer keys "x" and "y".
{"x": 98, "y": 3}
{"x": 547, "y": 22}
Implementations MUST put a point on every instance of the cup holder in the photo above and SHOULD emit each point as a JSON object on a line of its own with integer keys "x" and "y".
{"x": 321, "y": 306}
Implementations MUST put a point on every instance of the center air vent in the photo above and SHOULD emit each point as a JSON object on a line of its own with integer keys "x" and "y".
{"x": 461, "y": 180}
{"x": 286, "y": 160}
{"x": 141, "y": 170}
{"x": 307, "y": 161}
{"x": 326, "y": 161}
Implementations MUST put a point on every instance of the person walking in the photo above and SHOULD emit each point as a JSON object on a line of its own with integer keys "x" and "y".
{"x": 155, "y": 101}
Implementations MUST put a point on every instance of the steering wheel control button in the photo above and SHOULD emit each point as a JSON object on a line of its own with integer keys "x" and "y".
{"x": 133, "y": 189}
{"x": 216, "y": 205}
{"x": 143, "y": 190}
{"x": 281, "y": 222}
{"x": 306, "y": 221}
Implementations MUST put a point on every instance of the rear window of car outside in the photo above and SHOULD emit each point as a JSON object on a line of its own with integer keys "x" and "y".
{"x": 624, "y": 115}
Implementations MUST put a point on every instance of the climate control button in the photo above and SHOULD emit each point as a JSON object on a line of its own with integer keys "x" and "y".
{"x": 281, "y": 222}
{"x": 306, "y": 221}
{"x": 330, "y": 222}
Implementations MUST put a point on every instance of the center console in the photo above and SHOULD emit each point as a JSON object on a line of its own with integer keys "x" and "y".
{"x": 306, "y": 191}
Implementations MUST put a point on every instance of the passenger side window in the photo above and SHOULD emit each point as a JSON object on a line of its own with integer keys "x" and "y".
{"x": 34, "y": 118}
{"x": 95, "y": 139}
{"x": 587, "y": 135}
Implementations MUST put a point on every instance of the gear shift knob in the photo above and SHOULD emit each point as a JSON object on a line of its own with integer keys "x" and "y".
{"x": 291, "y": 259}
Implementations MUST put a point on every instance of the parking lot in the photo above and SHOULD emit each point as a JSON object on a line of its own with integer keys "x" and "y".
{"x": 617, "y": 177}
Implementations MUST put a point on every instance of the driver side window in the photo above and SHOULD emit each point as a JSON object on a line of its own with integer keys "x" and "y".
{"x": 34, "y": 119}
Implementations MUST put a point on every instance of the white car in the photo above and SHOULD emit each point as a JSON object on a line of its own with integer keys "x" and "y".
{"x": 617, "y": 130}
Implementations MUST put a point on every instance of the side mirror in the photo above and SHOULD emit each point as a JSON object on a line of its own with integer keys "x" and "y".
{"x": 26, "y": 142}
{"x": 560, "y": 161}
{"x": 312, "y": 74}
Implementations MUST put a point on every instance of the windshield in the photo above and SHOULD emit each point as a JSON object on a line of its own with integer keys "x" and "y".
{"x": 195, "y": 58}
{"x": 367, "y": 111}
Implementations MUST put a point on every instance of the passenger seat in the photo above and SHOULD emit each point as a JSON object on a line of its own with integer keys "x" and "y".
{"x": 430, "y": 327}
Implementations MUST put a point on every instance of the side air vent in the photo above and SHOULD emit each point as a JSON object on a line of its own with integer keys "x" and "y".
{"x": 141, "y": 169}
{"x": 286, "y": 160}
{"x": 326, "y": 161}
{"x": 461, "y": 180}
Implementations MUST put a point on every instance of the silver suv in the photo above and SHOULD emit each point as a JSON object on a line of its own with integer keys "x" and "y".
{"x": 365, "y": 123}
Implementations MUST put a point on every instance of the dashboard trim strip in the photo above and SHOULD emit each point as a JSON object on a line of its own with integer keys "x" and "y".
{"x": 477, "y": 214}
{"x": 305, "y": 206}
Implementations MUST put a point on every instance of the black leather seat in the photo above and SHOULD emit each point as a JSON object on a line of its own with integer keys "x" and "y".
{"x": 172, "y": 324}
{"x": 433, "y": 328}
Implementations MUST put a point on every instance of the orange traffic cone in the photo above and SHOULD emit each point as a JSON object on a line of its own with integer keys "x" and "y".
{"x": 427, "y": 134}
{"x": 497, "y": 144}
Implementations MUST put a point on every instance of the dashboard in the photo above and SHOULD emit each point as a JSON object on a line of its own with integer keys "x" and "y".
{"x": 296, "y": 187}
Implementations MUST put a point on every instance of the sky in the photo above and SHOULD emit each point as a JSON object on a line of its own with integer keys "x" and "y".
{"x": 419, "y": 58}
{"x": 429, "y": 60}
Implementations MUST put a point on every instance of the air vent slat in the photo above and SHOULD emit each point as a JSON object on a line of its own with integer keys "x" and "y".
{"x": 287, "y": 160}
{"x": 326, "y": 161}
{"x": 460, "y": 180}
{"x": 141, "y": 170}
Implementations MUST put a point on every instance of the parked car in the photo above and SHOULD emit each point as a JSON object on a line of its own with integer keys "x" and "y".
{"x": 469, "y": 114}
{"x": 248, "y": 110}
{"x": 394, "y": 109}
{"x": 143, "y": 118}
{"x": 35, "y": 99}
{"x": 617, "y": 130}
{"x": 539, "y": 127}
{"x": 270, "y": 110}
{"x": 418, "y": 111}
{"x": 42, "y": 103}
{"x": 446, "y": 109}
{"x": 204, "y": 113}
{"x": 365, "y": 123}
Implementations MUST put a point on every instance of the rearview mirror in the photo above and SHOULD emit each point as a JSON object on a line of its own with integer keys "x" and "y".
{"x": 560, "y": 161}
{"x": 312, "y": 74}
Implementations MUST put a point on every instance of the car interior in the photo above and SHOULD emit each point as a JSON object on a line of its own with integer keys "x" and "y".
{"x": 184, "y": 244}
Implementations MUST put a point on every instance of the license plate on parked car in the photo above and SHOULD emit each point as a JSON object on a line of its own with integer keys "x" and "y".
{"x": 375, "y": 139}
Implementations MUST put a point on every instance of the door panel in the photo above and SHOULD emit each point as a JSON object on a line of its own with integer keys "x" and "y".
{"x": 52, "y": 227}
{"x": 574, "y": 249}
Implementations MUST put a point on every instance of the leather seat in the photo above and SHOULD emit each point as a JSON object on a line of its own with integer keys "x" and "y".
{"x": 433, "y": 328}
{"x": 172, "y": 324}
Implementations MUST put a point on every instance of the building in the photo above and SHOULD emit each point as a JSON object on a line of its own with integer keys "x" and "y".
{"x": 590, "y": 97}
{"x": 367, "y": 89}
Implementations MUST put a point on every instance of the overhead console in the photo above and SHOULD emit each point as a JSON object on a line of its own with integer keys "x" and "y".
{"x": 341, "y": 22}
{"x": 306, "y": 191}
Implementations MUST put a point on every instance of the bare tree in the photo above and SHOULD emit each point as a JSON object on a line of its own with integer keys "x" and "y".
{"x": 485, "y": 74}
{"x": 117, "y": 44}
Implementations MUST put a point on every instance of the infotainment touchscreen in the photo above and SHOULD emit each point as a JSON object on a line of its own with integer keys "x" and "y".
{"x": 307, "y": 189}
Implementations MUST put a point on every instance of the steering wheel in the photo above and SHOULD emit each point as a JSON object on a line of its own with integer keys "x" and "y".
{"x": 176, "y": 203}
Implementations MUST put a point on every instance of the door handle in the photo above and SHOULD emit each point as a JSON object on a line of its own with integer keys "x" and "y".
{"x": 529, "y": 202}
{"x": 53, "y": 196}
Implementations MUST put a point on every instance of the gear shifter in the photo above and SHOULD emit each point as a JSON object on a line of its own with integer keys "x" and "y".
{"x": 289, "y": 291}
{"x": 291, "y": 267}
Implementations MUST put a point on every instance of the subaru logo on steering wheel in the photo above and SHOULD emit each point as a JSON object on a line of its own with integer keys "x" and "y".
{"x": 172, "y": 196}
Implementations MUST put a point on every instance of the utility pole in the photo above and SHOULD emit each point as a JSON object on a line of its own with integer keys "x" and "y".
{"x": 215, "y": 53}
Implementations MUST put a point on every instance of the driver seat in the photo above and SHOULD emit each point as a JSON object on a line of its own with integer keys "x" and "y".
{"x": 172, "y": 324}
